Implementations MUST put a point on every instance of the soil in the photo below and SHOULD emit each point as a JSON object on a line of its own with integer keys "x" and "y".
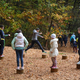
{"x": 36, "y": 68}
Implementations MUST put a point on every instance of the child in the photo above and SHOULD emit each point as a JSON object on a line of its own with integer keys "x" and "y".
{"x": 79, "y": 42}
{"x": 75, "y": 46}
{"x": 2, "y": 40}
{"x": 65, "y": 40}
{"x": 53, "y": 50}
{"x": 19, "y": 43}
{"x": 35, "y": 39}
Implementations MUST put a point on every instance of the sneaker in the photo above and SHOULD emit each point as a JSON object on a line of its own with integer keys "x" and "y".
{"x": 22, "y": 67}
{"x": 2, "y": 56}
{"x": 18, "y": 68}
{"x": 53, "y": 67}
{"x": 44, "y": 52}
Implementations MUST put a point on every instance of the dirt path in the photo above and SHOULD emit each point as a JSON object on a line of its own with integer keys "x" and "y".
{"x": 37, "y": 68}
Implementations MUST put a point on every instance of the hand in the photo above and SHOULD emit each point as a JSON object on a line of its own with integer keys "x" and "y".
{"x": 51, "y": 52}
{"x": 42, "y": 37}
{"x": 40, "y": 33}
{"x": 9, "y": 34}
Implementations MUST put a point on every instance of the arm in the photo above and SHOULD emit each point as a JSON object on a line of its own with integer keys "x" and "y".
{"x": 7, "y": 35}
{"x": 26, "y": 43}
{"x": 12, "y": 43}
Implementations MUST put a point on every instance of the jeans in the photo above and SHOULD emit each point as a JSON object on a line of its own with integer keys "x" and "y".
{"x": 1, "y": 50}
{"x": 19, "y": 54}
{"x": 32, "y": 44}
{"x": 79, "y": 51}
{"x": 1, "y": 47}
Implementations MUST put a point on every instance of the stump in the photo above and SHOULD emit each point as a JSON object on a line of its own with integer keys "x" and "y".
{"x": 1, "y": 58}
{"x": 23, "y": 55}
{"x": 19, "y": 71}
{"x": 43, "y": 56}
{"x": 78, "y": 65}
{"x": 54, "y": 69}
{"x": 64, "y": 57}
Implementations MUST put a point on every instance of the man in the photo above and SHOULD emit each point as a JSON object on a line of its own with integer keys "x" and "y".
{"x": 35, "y": 39}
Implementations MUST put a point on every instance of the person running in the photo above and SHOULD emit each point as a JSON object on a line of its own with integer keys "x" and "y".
{"x": 35, "y": 39}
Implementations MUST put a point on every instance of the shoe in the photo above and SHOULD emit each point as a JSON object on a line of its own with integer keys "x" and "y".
{"x": 18, "y": 68}
{"x": 53, "y": 67}
{"x": 2, "y": 56}
{"x": 44, "y": 52}
{"x": 22, "y": 67}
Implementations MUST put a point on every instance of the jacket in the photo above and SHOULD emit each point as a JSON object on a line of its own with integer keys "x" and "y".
{"x": 35, "y": 35}
{"x": 19, "y": 42}
{"x": 54, "y": 46}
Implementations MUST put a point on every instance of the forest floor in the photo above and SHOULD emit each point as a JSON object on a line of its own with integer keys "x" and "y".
{"x": 37, "y": 68}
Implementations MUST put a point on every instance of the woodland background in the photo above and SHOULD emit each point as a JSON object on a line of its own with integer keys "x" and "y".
{"x": 51, "y": 16}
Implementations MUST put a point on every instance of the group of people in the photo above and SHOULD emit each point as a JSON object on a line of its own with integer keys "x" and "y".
{"x": 20, "y": 43}
{"x": 63, "y": 38}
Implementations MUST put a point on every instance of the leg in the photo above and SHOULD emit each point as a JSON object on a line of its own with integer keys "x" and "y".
{"x": 32, "y": 44}
{"x": 17, "y": 57}
{"x": 39, "y": 45}
{"x": 21, "y": 57}
{"x": 52, "y": 61}
{"x": 79, "y": 53}
{"x": 1, "y": 47}
{"x": 55, "y": 62}
{"x": 1, "y": 50}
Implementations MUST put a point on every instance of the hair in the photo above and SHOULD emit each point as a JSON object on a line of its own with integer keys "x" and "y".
{"x": 37, "y": 29}
{"x": 79, "y": 28}
{"x": 1, "y": 25}
{"x": 19, "y": 31}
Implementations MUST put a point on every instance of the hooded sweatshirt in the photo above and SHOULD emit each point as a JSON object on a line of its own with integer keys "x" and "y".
{"x": 54, "y": 46}
{"x": 35, "y": 35}
{"x": 19, "y": 42}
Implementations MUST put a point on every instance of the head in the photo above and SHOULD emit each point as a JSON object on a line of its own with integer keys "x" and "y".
{"x": 2, "y": 26}
{"x": 37, "y": 29}
{"x": 19, "y": 31}
{"x": 53, "y": 36}
{"x": 79, "y": 30}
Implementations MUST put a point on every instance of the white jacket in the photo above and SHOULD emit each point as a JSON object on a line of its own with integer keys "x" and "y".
{"x": 54, "y": 46}
{"x": 19, "y": 40}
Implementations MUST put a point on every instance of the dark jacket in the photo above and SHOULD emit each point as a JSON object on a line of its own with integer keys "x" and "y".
{"x": 75, "y": 44}
{"x": 65, "y": 38}
{"x": 2, "y": 37}
{"x": 79, "y": 40}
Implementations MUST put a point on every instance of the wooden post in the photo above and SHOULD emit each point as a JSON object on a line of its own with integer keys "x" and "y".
{"x": 43, "y": 56}
{"x": 64, "y": 57}
{"x": 1, "y": 58}
{"x": 19, "y": 71}
{"x": 23, "y": 55}
{"x": 78, "y": 65}
{"x": 54, "y": 69}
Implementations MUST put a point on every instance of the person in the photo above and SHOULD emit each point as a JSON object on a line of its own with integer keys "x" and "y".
{"x": 35, "y": 39}
{"x": 2, "y": 39}
{"x": 65, "y": 40}
{"x": 53, "y": 50}
{"x": 19, "y": 43}
{"x": 61, "y": 39}
{"x": 72, "y": 38}
{"x": 79, "y": 42}
{"x": 75, "y": 46}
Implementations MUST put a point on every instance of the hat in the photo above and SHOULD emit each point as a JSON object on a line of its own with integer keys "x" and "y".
{"x": 53, "y": 35}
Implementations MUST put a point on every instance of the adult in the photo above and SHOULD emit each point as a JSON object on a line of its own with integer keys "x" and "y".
{"x": 35, "y": 39}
